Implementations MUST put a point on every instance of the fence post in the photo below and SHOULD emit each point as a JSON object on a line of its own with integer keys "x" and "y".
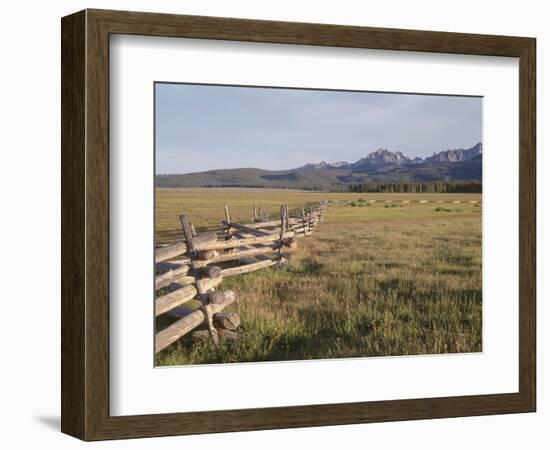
{"x": 207, "y": 308}
{"x": 304, "y": 224}
{"x": 287, "y": 218}
{"x": 188, "y": 233}
{"x": 228, "y": 221}
{"x": 254, "y": 218}
{"x": 283, "y": 227}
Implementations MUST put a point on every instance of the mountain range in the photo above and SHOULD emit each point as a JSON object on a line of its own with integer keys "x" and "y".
{"x": 383, "y": 156}
{"x": 379, "y": 166}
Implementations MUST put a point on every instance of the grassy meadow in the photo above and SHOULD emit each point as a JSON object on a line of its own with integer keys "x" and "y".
{"x": 372, "y": 280}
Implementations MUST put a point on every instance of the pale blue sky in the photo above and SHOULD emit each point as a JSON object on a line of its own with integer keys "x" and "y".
{"x": 202, "y": 127}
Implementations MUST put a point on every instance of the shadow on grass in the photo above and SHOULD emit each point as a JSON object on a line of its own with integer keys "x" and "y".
{"x": 324, "y": 334}
{"x": 308, "y": 266}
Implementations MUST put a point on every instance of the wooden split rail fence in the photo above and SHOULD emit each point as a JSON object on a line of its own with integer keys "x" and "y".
{"x": 194, "y": 268}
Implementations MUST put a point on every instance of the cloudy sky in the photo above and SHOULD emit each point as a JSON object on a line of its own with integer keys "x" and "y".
{"x": 220, "y": 127}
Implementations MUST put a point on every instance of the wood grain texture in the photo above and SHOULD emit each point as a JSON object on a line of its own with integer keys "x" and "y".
{"x": 85, "y": 224}
{"x": 222, "y": 245}
{"x": 237, "y": 255}
{"x": 227, "y": 320}
{"x": 191, "y": 321}
{"x": 170, "y": 276}
{"x": 170, "y": 252}
{"x": 245, "y": 228}
{"x": 527, "y": 225}
{"x": 247, "y": 268}
{"x": 202, "y": 27}
{"x": 73, "y": 268}
{"x": 173, "y": 299}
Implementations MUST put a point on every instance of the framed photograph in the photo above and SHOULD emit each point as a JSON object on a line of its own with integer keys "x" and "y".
{"x": 273, "y": 225}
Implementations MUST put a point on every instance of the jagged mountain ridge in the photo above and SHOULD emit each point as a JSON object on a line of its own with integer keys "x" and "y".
{"x": 384, "y": 156}
{"x": 380, "y": 166}
{"x": 458, "y": 154}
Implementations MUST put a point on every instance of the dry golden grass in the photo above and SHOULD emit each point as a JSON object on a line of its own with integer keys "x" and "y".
{"x": 385, "y": 279}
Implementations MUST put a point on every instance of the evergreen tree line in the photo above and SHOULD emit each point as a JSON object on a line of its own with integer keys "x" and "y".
{"x": 410, "y": 187}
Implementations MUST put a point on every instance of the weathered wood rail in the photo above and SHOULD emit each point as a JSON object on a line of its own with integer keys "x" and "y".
{"x": 192, "y": 269}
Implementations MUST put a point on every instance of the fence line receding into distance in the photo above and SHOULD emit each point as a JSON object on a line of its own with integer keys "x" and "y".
{"x": 192, "y": 269}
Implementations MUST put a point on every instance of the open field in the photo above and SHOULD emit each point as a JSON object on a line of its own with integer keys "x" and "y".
{"x": 384, "y": 279}
{"x": 205, "y": 206}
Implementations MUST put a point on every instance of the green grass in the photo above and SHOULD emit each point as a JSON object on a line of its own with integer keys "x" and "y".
{"x": 370, "y": 281}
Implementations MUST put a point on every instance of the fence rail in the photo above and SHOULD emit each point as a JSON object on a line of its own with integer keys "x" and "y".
{"x": 192, "y": 269}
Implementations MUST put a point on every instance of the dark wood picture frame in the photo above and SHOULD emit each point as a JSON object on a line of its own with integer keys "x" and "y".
{"x": 85, "y": 224}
